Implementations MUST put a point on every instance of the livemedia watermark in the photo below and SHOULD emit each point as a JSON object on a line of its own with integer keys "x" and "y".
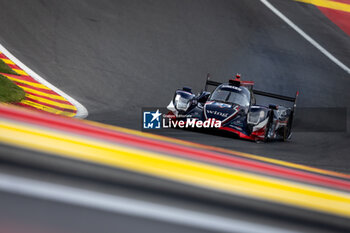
{"x": 154, "y": 118}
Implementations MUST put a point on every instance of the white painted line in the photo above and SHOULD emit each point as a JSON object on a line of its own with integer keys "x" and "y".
{"x": 128, "y": 206}
{"x": 306, "y": 36}
{"x": 81, "y": 110}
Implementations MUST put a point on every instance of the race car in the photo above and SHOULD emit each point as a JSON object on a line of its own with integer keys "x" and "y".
{"x": 234, "y": 105}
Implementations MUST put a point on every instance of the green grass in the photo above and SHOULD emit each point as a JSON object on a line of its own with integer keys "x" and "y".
{"x": 4, "y": 68}
{"x": 10, "y": 92}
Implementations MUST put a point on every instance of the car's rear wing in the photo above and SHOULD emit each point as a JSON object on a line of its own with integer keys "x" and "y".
{"x": 248, "y": 84}
{"x": 211, "y": 83}
{"x": 256, "y": 92}
{"x": 276, "y": 96}
{"x": 281, "y": 97}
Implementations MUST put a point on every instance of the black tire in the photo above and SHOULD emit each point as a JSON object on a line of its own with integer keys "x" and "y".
{"x": 268, "y": 125}
{"x": 288, "y": 128}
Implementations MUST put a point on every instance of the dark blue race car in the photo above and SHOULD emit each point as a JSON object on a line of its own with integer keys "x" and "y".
{"x": 234, "y": 105}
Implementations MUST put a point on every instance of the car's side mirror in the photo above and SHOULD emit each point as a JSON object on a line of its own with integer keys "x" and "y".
{"x": 273, "y": 107}
{"x": 187, "y": 89}
{"x": 203, "y": 97}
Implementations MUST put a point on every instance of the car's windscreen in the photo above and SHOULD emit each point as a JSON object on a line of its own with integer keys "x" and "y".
{"x": 229, "y": 94}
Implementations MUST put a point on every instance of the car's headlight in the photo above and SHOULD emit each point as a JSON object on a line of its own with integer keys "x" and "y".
{"x": 181, "y": 103}
{"x": 261, "y": 115}
{"x": 256, "y": 117}
{"x": 176, "y": 99}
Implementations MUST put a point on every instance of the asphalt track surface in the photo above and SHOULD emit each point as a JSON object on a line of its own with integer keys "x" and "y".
{"x": 116, "y": 57}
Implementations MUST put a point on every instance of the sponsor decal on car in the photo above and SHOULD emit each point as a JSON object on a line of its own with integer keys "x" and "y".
{"x": 222, "y": 114}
